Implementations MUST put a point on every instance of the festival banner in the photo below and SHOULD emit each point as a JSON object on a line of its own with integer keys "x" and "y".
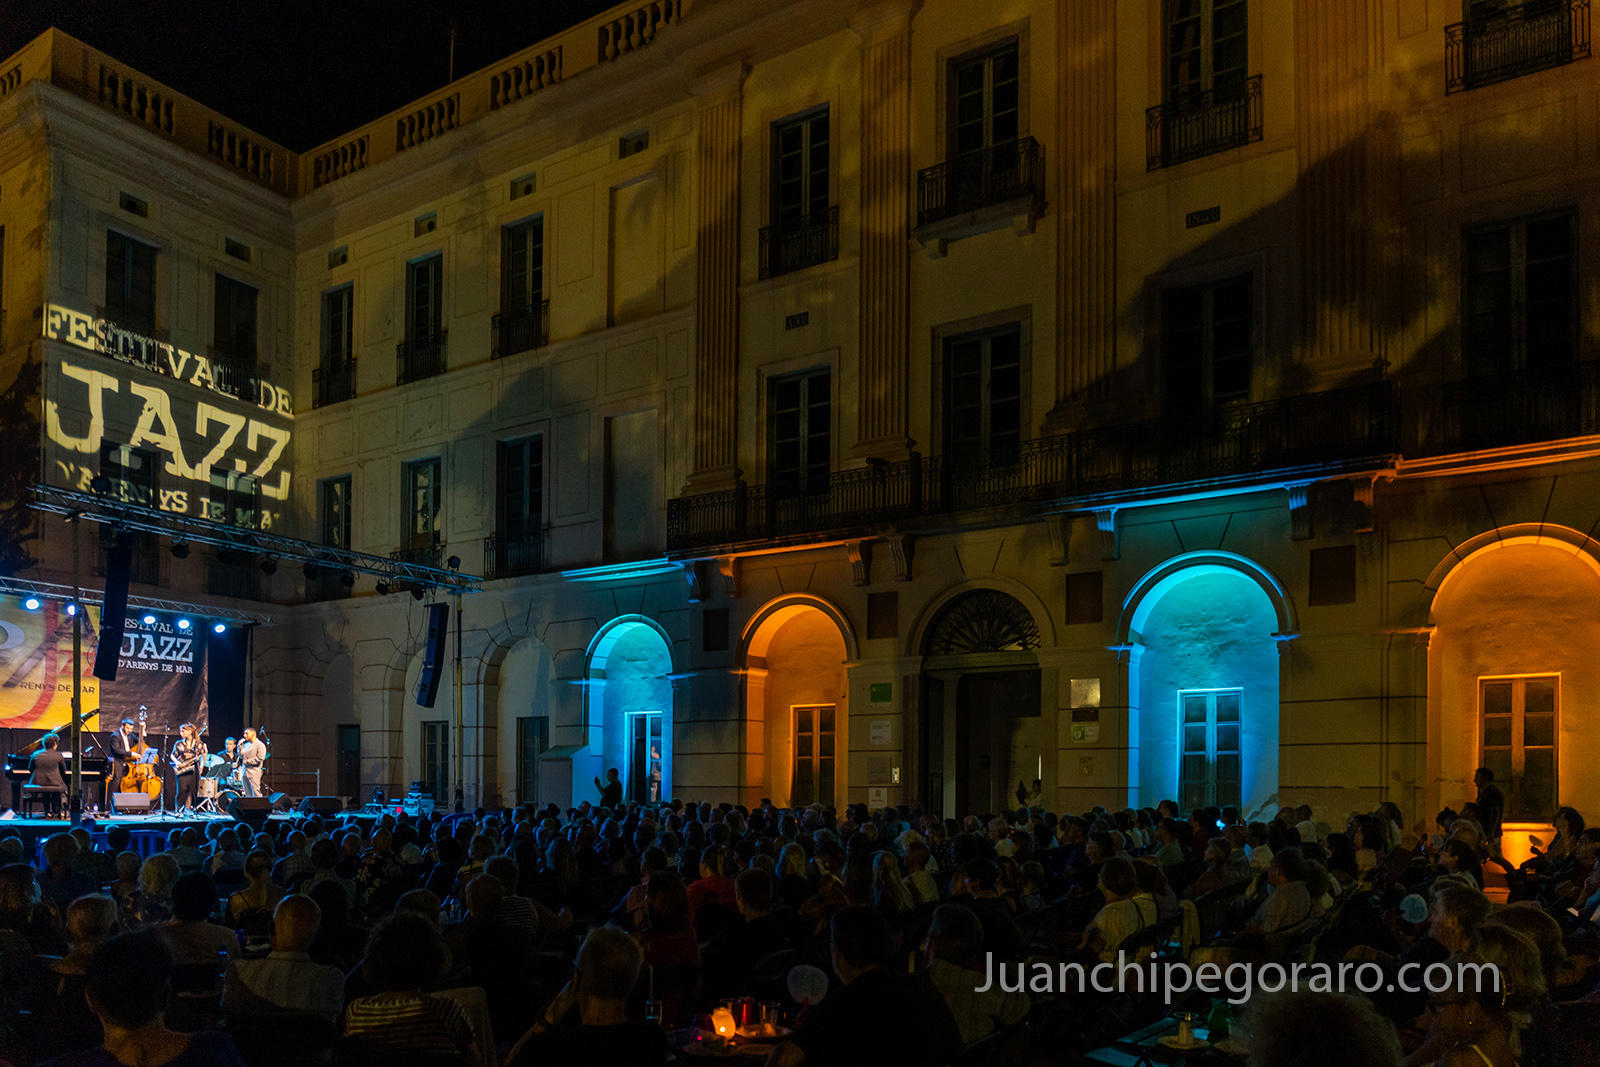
{"x": 162, "y": 667}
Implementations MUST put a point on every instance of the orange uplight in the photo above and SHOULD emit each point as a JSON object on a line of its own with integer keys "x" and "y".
{"x": 722, "y": 1022}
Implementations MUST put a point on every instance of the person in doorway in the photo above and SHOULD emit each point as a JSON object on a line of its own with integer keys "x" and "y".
{"x": 253, "y": 758}
{"x": 1491, "y": 808}
{"x": 611, "y": 791}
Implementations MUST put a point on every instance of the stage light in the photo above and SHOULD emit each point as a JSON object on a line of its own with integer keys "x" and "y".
{"x": 72, "y": 609}
{"x": 183, "y": 624}
{"x": 417, "y": 592}
{"x": 454, "y": 563}
{"x": 310, "y": 570}
{"x": 220, "y": 628}
{"x": 99, "y": 483}
{"x": 382, "y": 587}
{"x": 348, "y": 579}
{"x": 149, "y": 620}
{"x": 180, "y": 550}
{"x": 269, "y": 566}
{"x": 32, "y": 603}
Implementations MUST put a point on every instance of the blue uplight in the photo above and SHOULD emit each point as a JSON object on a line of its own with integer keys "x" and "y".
{"x": 32, "y": 603}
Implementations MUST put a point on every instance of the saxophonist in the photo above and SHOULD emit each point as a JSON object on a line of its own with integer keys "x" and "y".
{"x": 187, "y": 755}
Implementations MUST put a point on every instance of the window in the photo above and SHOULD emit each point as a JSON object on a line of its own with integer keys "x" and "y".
{"x": 130, "y": 283}
{"x": 644, "y": 757}
{"x": 336, "y": 512}
{"x": 1518, "y": 304}
{"x": 1207, "y": 47}
{"x": 984, "y": 101}
{"x": 234, "y": 499}
{"x": 436, "y": 760}
{"x": 813, "y": 755}
{"x": 518, "y": 544}
{"x": 983, "y": 398}
{"x": 424, "y": 299}
{"x": 1207, "y": 335}
{"x": 349, "y": 760}
{"x": 520, "y": 324}
{"x": 422, "y": 504}
{"x": 801, "y": 427}
{"x": 234, "y": 325}
{"x": 804, "y": 230}
{"x": 1519, "y": 741}
{"x": 533, "y": 741}
{"x": 338, "y": 327}
{"x": 1209, "y": 721}
{"x": 132, "y": 473}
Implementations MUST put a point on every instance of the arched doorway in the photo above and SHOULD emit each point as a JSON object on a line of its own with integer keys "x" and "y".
{"x": 982, "y": 726}
{"x": 629, "y": 715}
{"x": 796, "y": 700}
{"x": 1202, "y": 634}
{"x": 1511, "y": 663}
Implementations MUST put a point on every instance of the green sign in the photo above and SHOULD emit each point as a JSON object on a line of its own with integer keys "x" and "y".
{"x": 882, "y": 692}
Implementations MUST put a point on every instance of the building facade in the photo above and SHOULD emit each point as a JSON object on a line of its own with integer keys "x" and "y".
{"x": 897, "y": 402}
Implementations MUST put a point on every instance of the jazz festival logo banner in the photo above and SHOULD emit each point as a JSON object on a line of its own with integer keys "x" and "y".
{"x": 161, "y": 667}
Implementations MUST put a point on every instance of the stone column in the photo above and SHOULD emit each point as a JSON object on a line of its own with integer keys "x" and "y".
{"x": 716, "y": 320}
{"x": 884, "y": 359}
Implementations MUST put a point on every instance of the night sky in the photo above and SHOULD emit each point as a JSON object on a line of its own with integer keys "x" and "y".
{"x": 299, "y": 71}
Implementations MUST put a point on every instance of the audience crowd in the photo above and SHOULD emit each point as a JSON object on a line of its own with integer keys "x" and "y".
{"x": 603, "y": 935}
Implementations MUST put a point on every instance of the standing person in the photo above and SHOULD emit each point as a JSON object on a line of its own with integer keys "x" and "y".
{"x": 187, "y": 756}
{"x": 47, "y": 770}
{"x": 1491, "y": 808}
{"x": 611, "y": 792}
{"x": 121, "y": 748}
{"x": 252, "y": 757}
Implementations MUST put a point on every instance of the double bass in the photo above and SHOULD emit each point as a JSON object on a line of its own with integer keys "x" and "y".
{"x": 142, "y": 776}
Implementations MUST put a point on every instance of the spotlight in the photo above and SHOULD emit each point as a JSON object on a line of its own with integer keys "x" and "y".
{"x": 269, "y": 566}
{"x": 454, "y": 563}
{"x": 32, "y": 603}
{"x": 180, "y": 550}
{"x": 310, "y": 570}
{"x": 382, "y": 587}
{"x": 72, "y": 609}
{"x": 99, "y": 483}
{"x": 220, "y": 628}
{"x": 149, "y": 620}
{"x": 348, "y": 579}
{"x": 183, "y": 624}
{"x": 417, "y": 592}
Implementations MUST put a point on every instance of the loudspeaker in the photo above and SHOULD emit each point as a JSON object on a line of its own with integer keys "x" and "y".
{"x": 280, "y": 801}
{"x": 323, "y": 806}
{"x": 113, "y": 611}
{"x": 433, "y": 654}
{"x": 251, "y": 810}
{"x": 131, "y": 803}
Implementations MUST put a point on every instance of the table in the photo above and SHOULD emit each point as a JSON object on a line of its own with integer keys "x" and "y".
{"x": 1143, "y": 1048}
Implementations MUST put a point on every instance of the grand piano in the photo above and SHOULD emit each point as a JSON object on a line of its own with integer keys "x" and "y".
{"x": 95, "y": 769}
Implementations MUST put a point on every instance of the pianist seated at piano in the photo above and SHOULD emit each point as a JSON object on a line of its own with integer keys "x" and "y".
{"x": 47, "y": 775}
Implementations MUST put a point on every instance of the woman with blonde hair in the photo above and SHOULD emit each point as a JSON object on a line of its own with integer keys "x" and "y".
{"x": 250, "y": 909}
{"x": 1478, "y": 1020}
{"x": 794, "y": 882}
{"x": 889, "y": 892}
{"x": 152, "y": 901}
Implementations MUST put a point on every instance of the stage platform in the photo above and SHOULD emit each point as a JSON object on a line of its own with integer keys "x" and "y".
{"x": 149, "y": 831}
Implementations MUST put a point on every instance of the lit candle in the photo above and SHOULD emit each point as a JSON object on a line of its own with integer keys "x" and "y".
{"x": 722, "y": 1022}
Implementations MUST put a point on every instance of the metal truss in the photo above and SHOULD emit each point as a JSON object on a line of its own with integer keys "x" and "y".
{"x": 128, "y": 516}
{"x": 23, "y": 587}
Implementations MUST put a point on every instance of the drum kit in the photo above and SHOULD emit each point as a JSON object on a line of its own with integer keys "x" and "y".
{"x": 221, "y": 783}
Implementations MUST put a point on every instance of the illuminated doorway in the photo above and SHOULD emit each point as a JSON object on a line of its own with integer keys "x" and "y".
{"x": 644, "y": 756}
{"x": 813, "y": 755}
{"x": 1518, "y": 733}
{"x": 1209, "y": 765}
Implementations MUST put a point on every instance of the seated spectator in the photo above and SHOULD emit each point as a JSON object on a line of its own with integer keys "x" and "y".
{"x": 250, "y": 909}
{"x": 66, "y": 1023}
{"x": 630, "y": 913}
{"x": 1219, "y": 870}
{"x": 23, "y": 914}
{"x": 521, "y": 913}
{"x": 324, "y": 868}
{"x": 1480, "y": 1025}
{"x": 1534, "y": 923}
{"x": 1319, "y": 1030}
{"x": 190, "y": 934}
{"x": 889, "y": 892}
{"x": 60, "y": 883}
{"x": 286, "y": 980}
{"x": 879, "y": 1016}
{"x": 338, "y": 943}
{"x": 126, "y": 883}
{"x": 380, "y": 879}
{"x": 187, "y": 854}
{"x": 1456, "y": 857}
{"x": 99, "y": 865}
{"x": 953, "y": 954}
{"x": 973, "y": 887}
{"x": 405, "y": 957}
{"x": 1169, "y": 853}
{"x": 489, "y": 953}
{"x": 1257, "y": 849}
{"x": 794, "y": 878}
{"x": 128, "y": 982}
{"x": 731, "y": 957}
{"x": 713, "y": 886}
{"x": 924, "y": 890}
{"x": 295, "y": 865}
{"x": 1288, "y": 904}
{"x": 587, "y": 1022}
{"x": 152, "y": 901}
{"x": 1126, "y": 910}
{"x": 228, "y": 855}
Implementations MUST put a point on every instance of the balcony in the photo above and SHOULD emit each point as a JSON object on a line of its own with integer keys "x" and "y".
{"x": 520, "y": 331}
{"x": 234, "y": 375}
{"x": 1009, "y": 173}
{"x": 1520, "y": 408}
{"x": 1202, "y": 124}
{"x": 425, "y": 555}
{"x": 1234, "y": 443}
{"x": 800, "y": 243}
{"x": 505, "y": 557}
{"x": 333, "y": 385}
{"x": 419, "y": 357}
{"x": 1518, "y": 39}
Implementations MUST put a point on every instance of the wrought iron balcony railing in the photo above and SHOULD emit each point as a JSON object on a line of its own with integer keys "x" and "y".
{"x": 1010, "y": 171}
{"x": 419, "y": 357}
{"x": 1519, "y": 408}
{"x": 426, "y": 555}
{"x": 520, "y": 331}
{"x": 333, "y": 385}
{"x": 1515, "y": 40}
{"x": 508, "y": 557}
{"x": 235, "y": 376}
{"x": 1244, "y": 440}
{"x": 1202, "y": 124}
{"x": 799, "y": 243}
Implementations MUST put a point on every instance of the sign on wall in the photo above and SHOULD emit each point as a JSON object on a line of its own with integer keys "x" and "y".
{"x": 161, "y": 666}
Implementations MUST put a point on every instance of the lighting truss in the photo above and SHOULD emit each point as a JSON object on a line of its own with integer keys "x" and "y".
{"x": 97, "y": 508}
{"x": 23, "y": 587}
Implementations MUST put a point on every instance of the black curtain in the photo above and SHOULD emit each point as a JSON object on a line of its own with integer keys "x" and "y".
{"x": 227, "y": 656}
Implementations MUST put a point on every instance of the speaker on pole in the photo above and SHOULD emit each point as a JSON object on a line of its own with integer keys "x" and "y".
{"x": 433, "y": 654}
{"x": 113, "y": 610}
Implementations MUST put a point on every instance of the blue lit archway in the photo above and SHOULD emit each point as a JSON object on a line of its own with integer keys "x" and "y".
{"x": 628, "y": 708}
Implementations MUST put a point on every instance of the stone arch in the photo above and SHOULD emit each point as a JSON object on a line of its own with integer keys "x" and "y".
{"x": 1160, "y": 579}
{"x": 933, "y": 610}
{"x": 628, "y": 672}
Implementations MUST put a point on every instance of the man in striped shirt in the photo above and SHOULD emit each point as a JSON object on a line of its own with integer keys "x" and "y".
{"x": 286, "y": 980}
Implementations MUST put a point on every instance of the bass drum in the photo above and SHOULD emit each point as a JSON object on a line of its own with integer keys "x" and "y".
{"x": 226, "y": 795}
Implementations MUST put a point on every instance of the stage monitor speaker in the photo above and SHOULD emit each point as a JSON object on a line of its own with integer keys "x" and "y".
{"x": 433, "y": 654}
{"x": 251, "y": 810}
{"x": 323, "y": 806}
{"x": 131, "y": 803}
{"x": 280, "y": 802}
{"x": 113, "y": 611}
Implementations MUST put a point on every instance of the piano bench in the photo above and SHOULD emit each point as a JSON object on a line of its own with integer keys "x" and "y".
{"x": 41, "y": 794}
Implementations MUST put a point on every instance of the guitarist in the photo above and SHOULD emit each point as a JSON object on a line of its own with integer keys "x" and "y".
{"x": 187, "y": 755}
